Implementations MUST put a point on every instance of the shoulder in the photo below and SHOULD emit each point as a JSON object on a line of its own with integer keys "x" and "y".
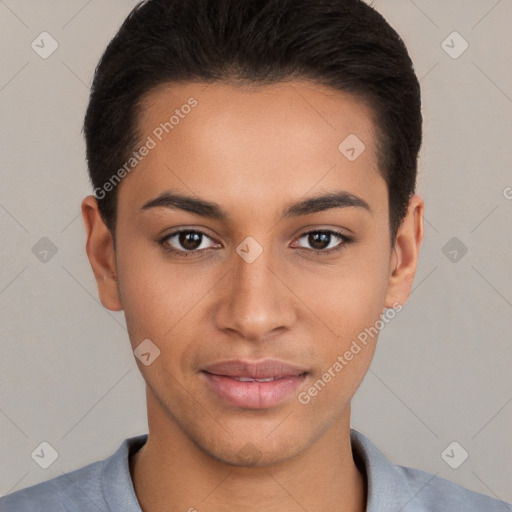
{"x": 427, "y": 492}
{"x": 393, "y": 487}
{"x": 98, "y": 487}
{"x": 79, "y": 489}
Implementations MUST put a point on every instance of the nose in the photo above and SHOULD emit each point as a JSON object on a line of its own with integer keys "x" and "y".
{"x": 257, "y": 301}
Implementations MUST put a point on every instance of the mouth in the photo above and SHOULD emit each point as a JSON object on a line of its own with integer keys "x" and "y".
{"x": 255, "y": 370}
{"x": 254, "y": 385}
{"x": 254, "y": 379}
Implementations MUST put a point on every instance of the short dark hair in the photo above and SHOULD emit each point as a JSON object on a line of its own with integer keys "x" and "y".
{"x": 343, "y": 44}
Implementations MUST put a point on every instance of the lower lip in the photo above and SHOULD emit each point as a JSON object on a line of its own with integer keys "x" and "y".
{"x": 254, "y": 395}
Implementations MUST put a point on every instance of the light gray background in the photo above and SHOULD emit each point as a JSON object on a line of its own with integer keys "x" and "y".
{"x": 442, "y": 368}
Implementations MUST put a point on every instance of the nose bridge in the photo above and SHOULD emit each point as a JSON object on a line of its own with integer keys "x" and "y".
{"x": 256, "y": 302}
{"x": 252, "y": 267}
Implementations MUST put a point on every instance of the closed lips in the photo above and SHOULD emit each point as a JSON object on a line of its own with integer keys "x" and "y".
{"x": 255, "y": 371}
{"x": 262, "y": 384}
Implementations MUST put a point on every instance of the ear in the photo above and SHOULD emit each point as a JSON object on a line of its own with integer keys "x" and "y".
{"x": 100, "y": 251}
{"x": 404, "y": 259}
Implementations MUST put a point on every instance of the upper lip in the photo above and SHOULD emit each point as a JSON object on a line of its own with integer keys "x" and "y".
{"x": 262, "y": 369}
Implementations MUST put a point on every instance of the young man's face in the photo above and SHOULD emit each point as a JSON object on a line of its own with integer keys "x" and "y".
{"x": 254, "y": 153}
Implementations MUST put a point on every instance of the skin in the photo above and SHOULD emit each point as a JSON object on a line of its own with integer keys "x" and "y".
{"x": 254, "y": 151}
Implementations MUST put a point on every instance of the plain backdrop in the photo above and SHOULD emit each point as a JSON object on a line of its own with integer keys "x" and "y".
{"x": 441, "y": 373}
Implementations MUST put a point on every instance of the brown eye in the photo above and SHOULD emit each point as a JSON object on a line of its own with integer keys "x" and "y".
{"x": 319, "y": 239}
{"x": 186, "y": 242}
{"x": 324, "y": 241}
{"x": 190, "y": 241}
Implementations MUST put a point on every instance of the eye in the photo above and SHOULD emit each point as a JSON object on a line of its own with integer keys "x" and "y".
{"x": 324, "y": 241}
{"x": 185, "y": 242}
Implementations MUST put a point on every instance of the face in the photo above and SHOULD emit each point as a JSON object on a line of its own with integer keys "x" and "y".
{"x": 258, "y": 274}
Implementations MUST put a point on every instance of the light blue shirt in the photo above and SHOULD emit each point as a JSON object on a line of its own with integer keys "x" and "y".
{"x": 106, "y": 486}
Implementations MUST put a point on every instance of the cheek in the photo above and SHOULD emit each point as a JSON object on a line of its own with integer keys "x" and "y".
{"x": 350, "y": 307}
{"x": 349, "y": 302}
{"x": 159, "y": 299}
{"x": 158, "y": 304}
{"x": 149, "y": 295}
{"x": 349, "y": 296}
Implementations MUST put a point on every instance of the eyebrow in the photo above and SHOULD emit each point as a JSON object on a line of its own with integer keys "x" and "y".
{"x": 203, "y": 208}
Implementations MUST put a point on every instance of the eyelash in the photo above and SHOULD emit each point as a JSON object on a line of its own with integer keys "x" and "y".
{"x": 345, "y": 240}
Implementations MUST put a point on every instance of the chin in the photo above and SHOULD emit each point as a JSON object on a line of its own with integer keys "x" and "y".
{"x": 252, "y": 450}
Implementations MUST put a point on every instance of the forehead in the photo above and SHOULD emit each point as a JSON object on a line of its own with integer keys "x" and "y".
{"x": 307, "y": 114}
{"x": 256, "y": 142}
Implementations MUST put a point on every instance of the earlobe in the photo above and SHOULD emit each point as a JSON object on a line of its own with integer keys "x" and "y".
{"x": 406, "y": 253}
{"x": 101, "y": 254}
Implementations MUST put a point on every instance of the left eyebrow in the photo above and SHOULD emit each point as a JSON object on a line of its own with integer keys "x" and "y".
{"x": 203, "y": 208}
{"x": 340, "y": 199}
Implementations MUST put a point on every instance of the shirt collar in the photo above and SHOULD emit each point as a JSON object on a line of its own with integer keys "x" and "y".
{"x": 117, "y": 485}
{"x": 389, "y": 488}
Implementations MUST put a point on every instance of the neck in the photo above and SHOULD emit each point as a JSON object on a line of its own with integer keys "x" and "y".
{"x": 170, "y": 473}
